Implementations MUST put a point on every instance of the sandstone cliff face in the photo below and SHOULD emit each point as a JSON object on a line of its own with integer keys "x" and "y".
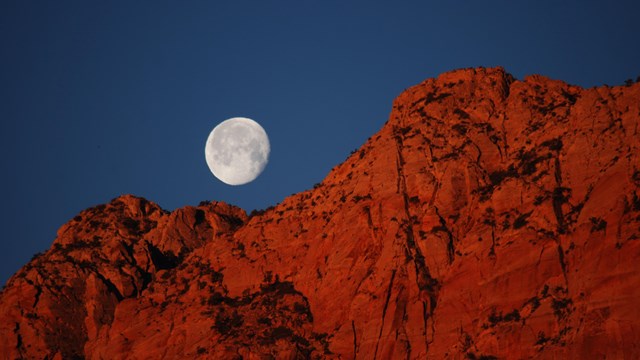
{"x": 489, "y": 218}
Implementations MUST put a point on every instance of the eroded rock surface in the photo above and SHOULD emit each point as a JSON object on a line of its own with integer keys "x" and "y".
{"x": 489, "y": 217}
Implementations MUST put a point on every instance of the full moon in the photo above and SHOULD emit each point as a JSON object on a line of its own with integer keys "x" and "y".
{"x": 237, "y": 150}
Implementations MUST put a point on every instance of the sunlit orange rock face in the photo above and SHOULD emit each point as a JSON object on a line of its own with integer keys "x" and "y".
{"x": 489, "y": 218}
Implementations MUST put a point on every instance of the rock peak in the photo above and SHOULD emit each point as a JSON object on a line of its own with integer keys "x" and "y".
{"x": 489, "y": 218}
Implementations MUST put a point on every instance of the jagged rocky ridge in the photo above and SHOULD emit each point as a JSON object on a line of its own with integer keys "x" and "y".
{"x": 489, "y": 218}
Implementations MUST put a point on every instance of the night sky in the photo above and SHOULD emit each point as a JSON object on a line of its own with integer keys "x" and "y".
{"x": 103, "y": 98}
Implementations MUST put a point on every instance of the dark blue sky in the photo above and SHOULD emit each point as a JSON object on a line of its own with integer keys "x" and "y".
{"x": 102, "y": 98}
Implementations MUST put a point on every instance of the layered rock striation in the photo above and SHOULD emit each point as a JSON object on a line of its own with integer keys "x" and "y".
{"x": 489, "y": 218}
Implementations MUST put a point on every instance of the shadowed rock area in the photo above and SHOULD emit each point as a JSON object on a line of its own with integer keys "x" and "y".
{"x": 489, "y": 218}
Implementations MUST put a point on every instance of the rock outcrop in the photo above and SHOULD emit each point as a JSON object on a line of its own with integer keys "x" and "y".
{"x": 489, "y": 218}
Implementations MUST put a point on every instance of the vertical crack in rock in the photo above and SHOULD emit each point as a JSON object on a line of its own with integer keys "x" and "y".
{"x": 355, "y": 340}
{"x": 384, "y": 311}
{"x": 171, "y": 326}
{"x": 479, "y": 157}
{"x": 563, "y": 264}
{"x": 406, "y": 342}
{"x": 424, "y": 280}
{"x": 428, "y": 307}
{"x": 492, "y": 252}
{"x": 19, "y": 343}
{"x": 558, "y": 199}
{"x": 37, "y": 296}
{"x": 374, "y": 232}
{"x": 451, "y": 249}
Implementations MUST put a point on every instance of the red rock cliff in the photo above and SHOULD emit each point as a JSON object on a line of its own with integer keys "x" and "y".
{"x": 489, "y": 218}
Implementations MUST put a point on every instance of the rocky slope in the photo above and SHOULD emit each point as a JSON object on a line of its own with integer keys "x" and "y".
{"x": 489, "y": 218}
